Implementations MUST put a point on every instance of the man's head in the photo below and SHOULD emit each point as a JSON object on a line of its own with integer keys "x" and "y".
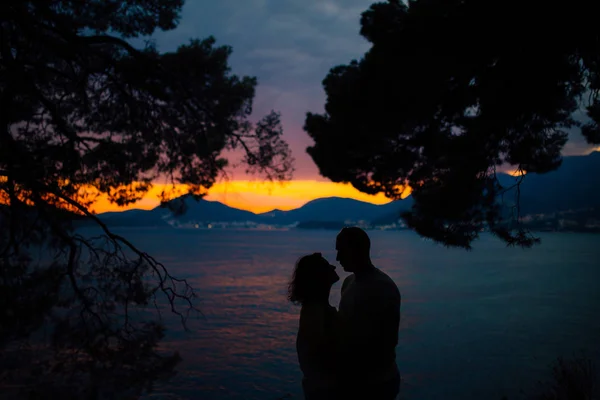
{"x": 353, "y": 248}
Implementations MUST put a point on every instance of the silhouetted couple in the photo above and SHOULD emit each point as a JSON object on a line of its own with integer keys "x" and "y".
{"x": 350, "y": 353}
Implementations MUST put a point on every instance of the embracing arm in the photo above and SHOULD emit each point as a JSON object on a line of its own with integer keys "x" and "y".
{"x": 369, "y": 331}
{"x": 317, "y": 327}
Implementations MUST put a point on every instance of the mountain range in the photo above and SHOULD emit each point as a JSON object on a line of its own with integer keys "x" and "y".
{"x": 574, "y": 186}
{"x": 203, "y": 212}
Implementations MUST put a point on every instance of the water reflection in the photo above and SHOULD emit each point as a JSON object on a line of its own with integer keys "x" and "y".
{"x": 474, "y": 325}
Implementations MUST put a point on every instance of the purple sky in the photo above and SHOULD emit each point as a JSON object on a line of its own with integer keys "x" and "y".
{"x": 289, "y": 45}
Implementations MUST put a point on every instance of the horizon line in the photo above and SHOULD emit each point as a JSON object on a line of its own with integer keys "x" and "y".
{"x": 263, "y": 212}
{"x": 260, "y": 197}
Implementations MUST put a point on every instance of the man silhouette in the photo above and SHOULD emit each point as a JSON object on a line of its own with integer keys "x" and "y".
{"x": 369, "y": 319}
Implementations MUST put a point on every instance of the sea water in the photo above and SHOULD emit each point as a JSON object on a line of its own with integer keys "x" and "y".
{"x": 474, "y": 325}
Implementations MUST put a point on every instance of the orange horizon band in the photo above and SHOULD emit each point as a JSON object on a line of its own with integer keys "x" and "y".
{"x": 257, "y": 196}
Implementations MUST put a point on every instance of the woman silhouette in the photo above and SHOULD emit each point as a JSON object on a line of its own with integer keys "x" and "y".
{"x": 310, "y": 287}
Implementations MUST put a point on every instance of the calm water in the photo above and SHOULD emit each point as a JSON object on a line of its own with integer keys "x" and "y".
{"x": 475, "y": 325}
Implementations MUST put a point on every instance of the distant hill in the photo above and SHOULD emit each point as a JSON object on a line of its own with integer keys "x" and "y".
{"x": 204, "y": 212}
{"x": 207, "y": 211}
{"x": 335, "y": 209}
{"x": 200, "y": 211}
{"x": 390, "y": 212}
{"x": 133, "y": 218}
{"x": 574, "y": 186}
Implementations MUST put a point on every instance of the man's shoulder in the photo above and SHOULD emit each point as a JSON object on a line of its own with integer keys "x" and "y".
{"x": 384, "y": 284}
{"x": 383, "y": 277}
{"x": 347, "y": 281}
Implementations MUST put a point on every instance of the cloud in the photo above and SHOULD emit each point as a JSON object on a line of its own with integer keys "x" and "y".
{"x": 288, "y": 45}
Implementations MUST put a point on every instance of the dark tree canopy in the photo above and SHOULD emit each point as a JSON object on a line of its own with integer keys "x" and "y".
{"x": 451, "y": 90}
{"x": 84, "y": 114}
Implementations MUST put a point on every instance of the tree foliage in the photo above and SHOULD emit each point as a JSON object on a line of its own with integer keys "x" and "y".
{"x": 451, "y": 90}
{"x": 85, "y": 114}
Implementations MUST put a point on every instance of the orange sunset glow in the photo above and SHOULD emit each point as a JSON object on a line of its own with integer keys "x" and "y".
{"x": 516, "y": 172}
{"x": 258, "y": 196}
{"x": 593, "y": 150}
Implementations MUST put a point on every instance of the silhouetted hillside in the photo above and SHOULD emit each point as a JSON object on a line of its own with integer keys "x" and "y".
{"x": 574, "y": 186}
{"x": 133, "y": 218}
{"x": 335, "y": 209}
{"x": 390, "y": 212}
{"x": 208, "y": 211}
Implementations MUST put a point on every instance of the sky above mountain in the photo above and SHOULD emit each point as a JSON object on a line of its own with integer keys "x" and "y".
{"x": 289, "y": 46}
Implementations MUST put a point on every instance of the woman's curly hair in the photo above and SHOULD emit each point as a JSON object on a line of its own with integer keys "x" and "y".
{"x": 303, "y": 283}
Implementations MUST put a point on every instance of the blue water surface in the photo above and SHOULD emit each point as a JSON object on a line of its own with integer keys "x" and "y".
{"x": 475, "y": 325}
